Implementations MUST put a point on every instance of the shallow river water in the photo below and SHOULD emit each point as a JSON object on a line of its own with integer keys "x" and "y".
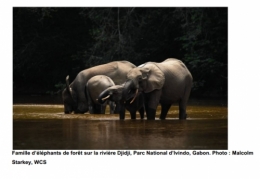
{"x": 45, "y": 126}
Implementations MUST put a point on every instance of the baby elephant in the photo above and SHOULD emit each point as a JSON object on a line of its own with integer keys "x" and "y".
{"x": 115, "y": 93}
{"x": 93, "y": 88}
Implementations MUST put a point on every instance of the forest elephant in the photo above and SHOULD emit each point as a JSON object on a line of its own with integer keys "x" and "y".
{"x": 115, "y": 93}
{"x": 94, "y": 87}
{"x": 165, "y": 83}
{"x": 73, "y": 95}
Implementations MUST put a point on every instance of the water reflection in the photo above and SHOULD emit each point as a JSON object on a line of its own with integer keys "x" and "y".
{"x": 46, "y": 127}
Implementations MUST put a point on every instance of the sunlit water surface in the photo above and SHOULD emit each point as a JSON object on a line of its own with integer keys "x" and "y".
{"x": 37, "y": 126}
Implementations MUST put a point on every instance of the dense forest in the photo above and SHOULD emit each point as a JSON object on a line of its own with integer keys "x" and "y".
{"x": 51, "y": 43}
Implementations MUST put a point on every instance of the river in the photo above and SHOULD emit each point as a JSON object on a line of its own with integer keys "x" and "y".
{"x": 44, "y": 126}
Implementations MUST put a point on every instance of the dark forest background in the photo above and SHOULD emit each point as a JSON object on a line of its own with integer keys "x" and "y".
{"x": 51, "y": 43}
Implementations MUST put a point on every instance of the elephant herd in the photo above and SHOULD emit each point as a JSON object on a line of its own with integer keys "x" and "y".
{"x": 123, "y": 86}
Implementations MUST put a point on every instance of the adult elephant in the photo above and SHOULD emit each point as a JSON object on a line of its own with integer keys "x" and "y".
{"x": 94, "y": 87}
{"x": 166, "y": 82}
{"x": 115, "y": 94}
{"x": 73, "y": 95}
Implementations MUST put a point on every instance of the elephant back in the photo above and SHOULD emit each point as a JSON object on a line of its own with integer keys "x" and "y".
{"x": 116, "y": 70}
{"x": 177, "y": 79}
{"x": 175, "y": 64}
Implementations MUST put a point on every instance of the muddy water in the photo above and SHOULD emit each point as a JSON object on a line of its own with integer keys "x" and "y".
{"x": 38, "y": 126}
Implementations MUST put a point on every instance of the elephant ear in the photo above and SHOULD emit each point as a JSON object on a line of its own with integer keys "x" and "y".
{"x": 68, "y": 86}
{"x": 155, "y": 77}
{"x": 71, "y": 93}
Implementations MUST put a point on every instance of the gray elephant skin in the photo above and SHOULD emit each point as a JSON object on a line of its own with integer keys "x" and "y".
{"x": 73, "y": 95}
{"x": 165, "y": 83}
{"x": 94, "y": 87}
{"x": 115, "y": 93}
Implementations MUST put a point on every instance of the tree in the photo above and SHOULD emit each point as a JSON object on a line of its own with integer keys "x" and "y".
{"x": 204, "y": 43}
{"x": 46, "y": 43}
{"x": 50, "y": 43}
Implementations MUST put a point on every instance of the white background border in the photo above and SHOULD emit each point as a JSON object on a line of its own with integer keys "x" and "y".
{"x": 243, "y": 107}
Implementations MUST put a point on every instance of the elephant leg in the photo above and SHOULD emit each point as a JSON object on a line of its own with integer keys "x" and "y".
{"x": 91, "y": 110}
{"x": 133, "y": 114}
{"x": 117, "y": 109}
{"x": 150, "y": 114}
{"x": 103, "y": 109}
{"x": 112, "y": 107}
{"x": 99, "y": 109}
{"x": 164, "y": 111}
{"x": 122, "y": 112}
{"x": 91, "y": 107}
{"x": 182, "y": 110}
{"x": 141, "y": 112}
{"x": 96, "y": 109}
{"x": 146, "y": 103}
{"x": 148, "y": 111}
{"x": 90, "y": 104}
{"x": 82, "y": 107}
{"x": 151, "y": 103}
{"x": 183, "y": 103}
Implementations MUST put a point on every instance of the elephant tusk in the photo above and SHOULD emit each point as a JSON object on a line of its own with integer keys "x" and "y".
{"x": 105, "y": 98}
{"x": 134, "y": 96}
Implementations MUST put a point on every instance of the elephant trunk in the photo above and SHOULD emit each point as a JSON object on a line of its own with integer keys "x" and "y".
{"x": 130, "y": 90}
{"x": 103, "y": 96}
